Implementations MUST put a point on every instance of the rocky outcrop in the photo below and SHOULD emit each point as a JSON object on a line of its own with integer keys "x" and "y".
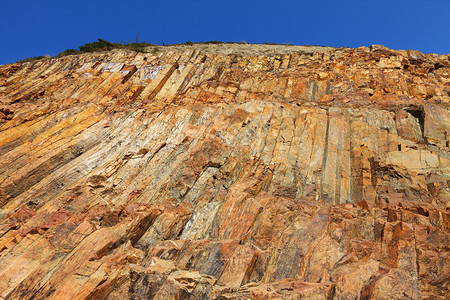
{"x": 185, "y": 175}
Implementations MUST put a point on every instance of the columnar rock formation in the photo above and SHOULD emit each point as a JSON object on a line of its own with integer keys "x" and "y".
{"x": 188, "y": 175}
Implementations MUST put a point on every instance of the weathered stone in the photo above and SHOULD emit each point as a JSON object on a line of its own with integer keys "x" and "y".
{"x": 320, "y": 174}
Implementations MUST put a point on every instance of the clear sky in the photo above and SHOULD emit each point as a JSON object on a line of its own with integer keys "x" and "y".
{"x": 47, "y": 27}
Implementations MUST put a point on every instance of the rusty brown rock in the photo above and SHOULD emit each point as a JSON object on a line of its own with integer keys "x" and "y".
{"x": 320, "y": 174}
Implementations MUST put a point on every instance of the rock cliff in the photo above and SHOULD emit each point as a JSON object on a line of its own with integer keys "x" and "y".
{"x": 319, "y": 174}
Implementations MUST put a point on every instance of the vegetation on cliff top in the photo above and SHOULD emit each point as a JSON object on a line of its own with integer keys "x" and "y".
{"x": 142, "y": 47}
{"x": 103, "y": 45}
{"x": 100, "y": 45}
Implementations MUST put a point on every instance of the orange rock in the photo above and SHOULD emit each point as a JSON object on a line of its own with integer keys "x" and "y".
{"x": 320, "y": 174}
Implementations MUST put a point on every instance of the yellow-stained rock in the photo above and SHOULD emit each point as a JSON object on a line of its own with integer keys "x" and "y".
{"x": 320, "y": 174}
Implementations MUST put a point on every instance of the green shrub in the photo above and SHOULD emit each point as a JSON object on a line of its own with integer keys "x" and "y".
{"x": 28, "y": 59}
{"x": 212, "y": 42}
{"x": 100, "y": 45}
{"x": 68, "y": 52}
{"x": 103, "y": 45}
{"x": 137, "y": 47}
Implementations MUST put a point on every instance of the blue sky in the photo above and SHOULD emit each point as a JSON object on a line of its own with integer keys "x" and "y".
{"x": 47, "y": 27}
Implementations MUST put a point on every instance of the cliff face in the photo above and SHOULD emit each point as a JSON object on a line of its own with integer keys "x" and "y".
{"x": 183, "y": 175}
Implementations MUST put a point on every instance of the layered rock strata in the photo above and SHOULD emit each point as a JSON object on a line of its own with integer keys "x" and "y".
{"x": 191, "y": 175}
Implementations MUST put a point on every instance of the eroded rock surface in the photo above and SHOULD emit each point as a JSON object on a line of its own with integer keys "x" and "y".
{"x": 189, "y": 175}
